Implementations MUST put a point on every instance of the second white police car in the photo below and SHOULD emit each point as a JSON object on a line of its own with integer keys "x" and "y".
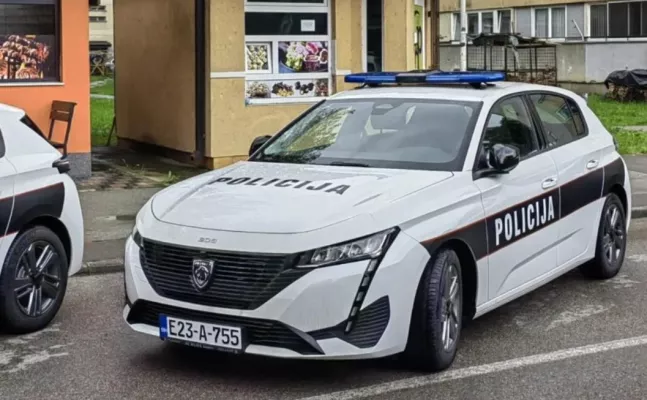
{"x": 381, "y": 220}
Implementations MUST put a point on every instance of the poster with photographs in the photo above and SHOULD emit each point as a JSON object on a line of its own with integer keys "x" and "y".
{"x": 28, "y": 57}
{"x": 303, "y": 56}
{"x": 293, "y": 88}
{"x": 258, "y": 57}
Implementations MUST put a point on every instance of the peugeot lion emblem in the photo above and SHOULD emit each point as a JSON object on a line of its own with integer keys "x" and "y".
{"x": 202, "y": 271}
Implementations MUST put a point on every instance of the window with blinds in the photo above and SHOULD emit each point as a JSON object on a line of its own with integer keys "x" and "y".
{"x": 487, "y": 22}
{"x": 505, "y": 21}
{"x": 550, "y": 22}
{"x": 541, "y": 23}
{"x": 558, "y": 22}
{"x": 619, "y": 20}
{"x": 599, "y": 21}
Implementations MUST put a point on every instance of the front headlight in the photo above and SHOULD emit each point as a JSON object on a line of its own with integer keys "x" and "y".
{"x": 369, "y": 247}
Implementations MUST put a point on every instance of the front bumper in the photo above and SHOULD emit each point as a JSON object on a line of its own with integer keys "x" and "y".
{"x": 306, "y": 319}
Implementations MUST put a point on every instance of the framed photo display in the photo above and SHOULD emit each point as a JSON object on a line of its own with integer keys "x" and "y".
{"x": 287, "y": 51}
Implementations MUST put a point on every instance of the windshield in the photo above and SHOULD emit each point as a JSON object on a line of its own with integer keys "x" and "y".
{"x": 381, "y": 133}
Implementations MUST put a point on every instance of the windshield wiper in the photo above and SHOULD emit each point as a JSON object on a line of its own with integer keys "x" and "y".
{"x": 348, "y": 164}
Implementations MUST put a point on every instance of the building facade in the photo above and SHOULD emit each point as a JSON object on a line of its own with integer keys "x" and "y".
{"x": 101, "y": 22}
{"x": 205, "y": 77}
{"x": 594, "y": 38}
{"x": 44, "y": 57}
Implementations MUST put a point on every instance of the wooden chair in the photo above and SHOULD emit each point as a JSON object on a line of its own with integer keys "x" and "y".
{"x": 62, "y": 111}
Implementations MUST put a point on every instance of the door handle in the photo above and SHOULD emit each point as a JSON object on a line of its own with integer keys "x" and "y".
{"x": 592, "y": 164}
{"x": 549, "y": 182}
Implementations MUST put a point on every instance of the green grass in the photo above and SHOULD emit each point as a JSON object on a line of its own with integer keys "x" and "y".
{"x": 101, "y": 115}
{"x": 616, "y": 115}
{"x": 108, "y": 88}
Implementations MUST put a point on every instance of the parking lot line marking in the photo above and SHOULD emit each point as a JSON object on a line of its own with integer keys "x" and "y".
{"x": 467, "y": 372}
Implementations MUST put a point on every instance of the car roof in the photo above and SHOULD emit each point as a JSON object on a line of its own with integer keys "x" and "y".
{"x": 7, "y": 109}
{"x": 447, "y": 92}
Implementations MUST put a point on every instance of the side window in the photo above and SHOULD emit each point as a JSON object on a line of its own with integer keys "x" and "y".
{"x": 560, "y": 118}
{"x": 509, "y": 123}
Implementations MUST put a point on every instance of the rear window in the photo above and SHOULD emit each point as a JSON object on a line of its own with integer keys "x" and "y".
{"x": 382, "y": 133}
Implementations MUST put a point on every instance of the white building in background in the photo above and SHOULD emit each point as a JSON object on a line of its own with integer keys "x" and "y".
{"x": 594, "y": 39}
{"x": 101, "y": 23}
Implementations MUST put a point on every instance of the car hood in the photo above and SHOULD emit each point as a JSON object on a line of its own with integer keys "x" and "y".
{"x": 284, "y": 198}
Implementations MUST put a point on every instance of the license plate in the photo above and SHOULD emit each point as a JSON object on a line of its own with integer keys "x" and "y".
{"x": 223, "y": 337}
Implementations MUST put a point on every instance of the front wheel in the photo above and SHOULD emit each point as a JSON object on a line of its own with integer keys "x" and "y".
{"x": 437, "y": 315}
{"x": 611, "y": 242}
{"x": 33, "y": 281}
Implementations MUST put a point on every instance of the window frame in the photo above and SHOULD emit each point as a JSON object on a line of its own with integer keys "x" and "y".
{"x": 58, "y": 40}
{"x": 533, "y": 19}
{"x": 607, "y": 36}
{"x": 570, "y": 102}
{"x": 281, "y": 6}
{"x": 273, "y": 74}
{"x": 455, "y": 22}
{"x": 537, "y": 136}
{"x": 588, "y": 21}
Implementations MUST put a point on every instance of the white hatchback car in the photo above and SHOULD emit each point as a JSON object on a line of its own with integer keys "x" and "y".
{"x": 42, "y": 225}
{"x": 380, "y": 220}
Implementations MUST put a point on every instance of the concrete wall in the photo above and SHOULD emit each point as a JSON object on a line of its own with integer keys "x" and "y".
{"x": 604, "y": 58}
{"x": 155, "y": 81}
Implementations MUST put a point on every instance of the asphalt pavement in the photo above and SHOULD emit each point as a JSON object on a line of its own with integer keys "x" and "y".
{"x": 573, "y": 338}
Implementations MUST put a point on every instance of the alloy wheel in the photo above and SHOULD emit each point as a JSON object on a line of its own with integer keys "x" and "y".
{"x": 451, "y": 304}
{"x": 614, "y": 234}
{"x": 38, "y": 278}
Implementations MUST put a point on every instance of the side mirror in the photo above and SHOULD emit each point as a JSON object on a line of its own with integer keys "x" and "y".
{"x": 258, "y": 143}
{"x": 497, "y": 159}
{"x": 504, "y": 158}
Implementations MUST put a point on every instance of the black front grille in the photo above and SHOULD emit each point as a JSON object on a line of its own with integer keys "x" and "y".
{"x": 242, "y": 281}
{"x": 368, "y": 329}
{"x": 258, "y": 331}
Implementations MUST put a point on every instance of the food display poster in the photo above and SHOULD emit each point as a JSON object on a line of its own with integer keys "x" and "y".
{"x": 293, "y": 57}
{"x": 258, "y": 57}
{"x": 303, "y": 56}
{"x": 290, "y": 88}
{"x": 28, "y": 57}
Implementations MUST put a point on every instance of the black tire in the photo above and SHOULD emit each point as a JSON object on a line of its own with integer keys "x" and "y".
{"x": 425, "y": 350}
{"x": 14, "y": 313}
{"x": 602, "y": 266}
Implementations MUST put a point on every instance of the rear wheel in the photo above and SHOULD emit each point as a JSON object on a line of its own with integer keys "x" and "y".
{"x": 611, "y": 241}
{"x": 33, "y": 281}
{"x": 437, "y": 316}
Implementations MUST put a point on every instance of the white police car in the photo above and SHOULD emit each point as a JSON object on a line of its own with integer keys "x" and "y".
{"x": 41, "y": 244}
{"x": 380, "y": 220}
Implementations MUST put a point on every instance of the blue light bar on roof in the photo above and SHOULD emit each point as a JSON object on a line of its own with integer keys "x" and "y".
{"x": 471, "y": 77}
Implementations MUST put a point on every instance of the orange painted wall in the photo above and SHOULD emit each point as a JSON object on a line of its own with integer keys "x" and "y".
{"x": 36, "y": 99}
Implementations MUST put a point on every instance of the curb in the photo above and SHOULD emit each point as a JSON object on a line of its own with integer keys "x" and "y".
{"x": 102, "y": 267}
{"x": 639, "y": 212}
{"x": 117, "y": 264}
